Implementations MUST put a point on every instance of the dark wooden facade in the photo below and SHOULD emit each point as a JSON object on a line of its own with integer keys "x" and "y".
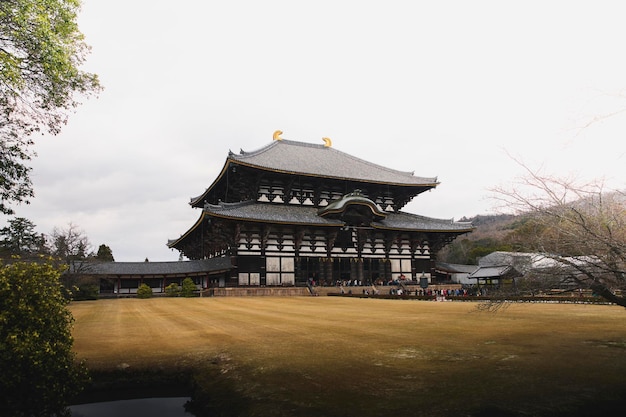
{"x": 292, "y": 212}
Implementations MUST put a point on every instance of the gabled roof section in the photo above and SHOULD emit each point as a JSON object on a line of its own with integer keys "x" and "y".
{"x": 455, "y": 268}
{"x": 308, "y": 159}
{"x": 495, "y": 272}
{"x": 324, "y": 161}
{"x": 339, "y": 208}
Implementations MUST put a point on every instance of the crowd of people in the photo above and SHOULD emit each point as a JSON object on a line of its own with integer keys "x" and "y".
{"x": 400, "y": 287}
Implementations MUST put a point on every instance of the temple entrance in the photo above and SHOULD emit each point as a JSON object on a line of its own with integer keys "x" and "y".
{"x": 366, "y": 271}
{"x": 373, "y": 271}
{"x": 343, "y": 270}
{"x": 308, "y": 268}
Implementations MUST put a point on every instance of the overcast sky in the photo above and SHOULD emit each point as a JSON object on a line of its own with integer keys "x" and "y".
{"x": 443, "y": 88}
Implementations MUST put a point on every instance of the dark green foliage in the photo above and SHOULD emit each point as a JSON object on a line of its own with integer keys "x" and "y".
{"x": 468, "y": 251}
{"x": 15, "y": 184}
{"x": 189, "y": 288}
{"x": 81, "y": 287}
{"x": 105, "y": 254}
{"x": 20, "y": 238}
{"x": 491, "y": 234}
{"x": 39, "y": 375}
{"x": 144, "y": 291}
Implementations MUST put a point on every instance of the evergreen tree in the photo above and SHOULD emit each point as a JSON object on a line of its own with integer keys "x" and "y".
{"x": 19, "y": 238}
{"x": 188, "y": 288}
{"x": 144, "y": 291}
{"x": 104, "y": 254}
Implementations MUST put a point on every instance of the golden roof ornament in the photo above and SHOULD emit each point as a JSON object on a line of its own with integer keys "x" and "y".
{"x": 276, "y": 135}
{"x": 327, "y": 142}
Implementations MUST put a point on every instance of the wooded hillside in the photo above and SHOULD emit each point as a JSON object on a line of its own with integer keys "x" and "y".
{"x": 493, "y": 233}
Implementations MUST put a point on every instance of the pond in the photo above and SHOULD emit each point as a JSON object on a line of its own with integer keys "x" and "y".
{"x": 142, "y": 407}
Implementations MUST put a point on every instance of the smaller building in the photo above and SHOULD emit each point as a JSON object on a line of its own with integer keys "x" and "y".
{"x": 446, "y": 273}
{"x": 503, "y": 268}
{"x": 119, "y": 278}
{"x": 495, "y": 275}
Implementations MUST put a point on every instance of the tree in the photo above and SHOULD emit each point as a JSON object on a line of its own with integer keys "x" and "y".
{"x": 488, "y": 236}
{"x": 580, "y": 228}
{"x": 19, "y": 238}
{"x": 39, "y": 373}
{"x": 41, "y": 50}
{"x": 172, "y": 290}
{"x": 71, "y": 247}
{"x": 144, "y": 291}
{"x": 468, "y": 251}
{"x": 69, "y": 244}
{"x": 188, "y": 288}
{"x": 104, "y": 254}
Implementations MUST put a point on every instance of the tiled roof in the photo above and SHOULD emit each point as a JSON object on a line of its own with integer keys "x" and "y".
{"x": 455, "y": 268}
{"x": 296, "y": 214}
{"x": 409, "y": 221}
{"x": 321, "y": 161}
{"x": 491, "y": 271}
{"x": 267, "y": 212}
{"x": 153, "y": 268}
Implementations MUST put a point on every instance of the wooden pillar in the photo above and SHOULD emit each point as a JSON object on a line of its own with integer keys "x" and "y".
{"x": 328, "y": 265}
{"x": 359, "y": 270}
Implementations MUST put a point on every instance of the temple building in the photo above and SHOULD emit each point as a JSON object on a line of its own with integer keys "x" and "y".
{"x": 292, "y": 213}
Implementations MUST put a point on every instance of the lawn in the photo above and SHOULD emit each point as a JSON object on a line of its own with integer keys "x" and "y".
{"x": 335, "y": 356}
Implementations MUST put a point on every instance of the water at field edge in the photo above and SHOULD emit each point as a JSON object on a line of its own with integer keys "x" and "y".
{"x": 142, "y": 407}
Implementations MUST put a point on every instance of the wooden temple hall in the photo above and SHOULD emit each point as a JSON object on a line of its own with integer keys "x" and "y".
{"x": 291, "y": 213}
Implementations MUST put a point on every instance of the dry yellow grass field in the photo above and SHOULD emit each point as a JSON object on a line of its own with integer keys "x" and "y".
{"x": 368, "y": 357}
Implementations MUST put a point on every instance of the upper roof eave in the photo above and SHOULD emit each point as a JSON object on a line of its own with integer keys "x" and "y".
{"x": 318, "y": 161}
{"x": 252, "y": 211}
{"x": 310, "y": 159}
{"x": 171, "y": 243}
{"x": 195, "y": 200}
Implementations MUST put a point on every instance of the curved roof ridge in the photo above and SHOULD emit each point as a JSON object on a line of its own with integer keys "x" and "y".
{"x": 446, "y": 220}
{"x": 256, "y": 151}
{"x": 225, "y": 205}
{"x": 277, "y": 143}
{"x": 336, "y": 163}
{"x": 354, "y": 198}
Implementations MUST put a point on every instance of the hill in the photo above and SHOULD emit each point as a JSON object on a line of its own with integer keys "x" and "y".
{"x": 491, "y": 234}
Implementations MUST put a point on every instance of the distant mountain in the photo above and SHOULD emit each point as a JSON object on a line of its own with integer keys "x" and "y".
{"x": 489, "y": 236}
{"x": 494, "y": 232}
{"x": 491, "y": 225}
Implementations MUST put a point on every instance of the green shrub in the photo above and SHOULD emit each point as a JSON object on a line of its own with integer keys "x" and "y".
{"x": 189, "y": 288}
{"x": 144, "y": 291}
{"x": 39, "y": 373}
{"x": 172, "y": 290}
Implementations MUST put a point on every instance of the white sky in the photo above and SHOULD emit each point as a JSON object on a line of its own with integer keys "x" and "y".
{"x": 442, "y": 88}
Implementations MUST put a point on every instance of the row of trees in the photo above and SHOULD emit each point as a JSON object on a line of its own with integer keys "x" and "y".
{"x": 62, "y": 247}
{"x": 19, "y": 238}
